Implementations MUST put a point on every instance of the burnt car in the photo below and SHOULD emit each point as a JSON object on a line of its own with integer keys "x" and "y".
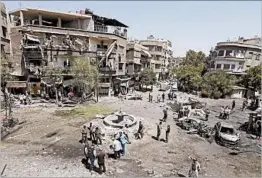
{"x": 189, "y": 123}
{"x": 226, "y": 134}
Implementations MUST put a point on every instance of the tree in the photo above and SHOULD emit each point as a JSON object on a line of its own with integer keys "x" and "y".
{"x": 5, "y": 77}
{"x": 147, "y": 77}
{"x": 217, "y": 84}
{"x": 194, "y": 58}
{"x": 252, "y": 78}
{"x": 56, "y": 78}
{"x": 189, "y": 76}
{"x": 85, "y": 74}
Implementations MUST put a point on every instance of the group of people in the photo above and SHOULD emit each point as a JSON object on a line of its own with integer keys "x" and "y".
{"x": 225, "y": 112}
{"x": 94, "y": 132}
{"x": 159, "y": 130}
{"x": 183, "y": 112}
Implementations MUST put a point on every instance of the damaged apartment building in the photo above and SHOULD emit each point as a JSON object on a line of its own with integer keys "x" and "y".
{"x": 44, "y": 39}
{"x": 161, "y": 54}
{"x": 5, "y": 39}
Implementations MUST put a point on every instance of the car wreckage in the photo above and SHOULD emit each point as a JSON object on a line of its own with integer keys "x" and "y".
{"x": 226, "y": 134}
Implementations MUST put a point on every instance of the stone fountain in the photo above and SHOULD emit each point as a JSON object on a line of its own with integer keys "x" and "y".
{"x": 120, "y": 120}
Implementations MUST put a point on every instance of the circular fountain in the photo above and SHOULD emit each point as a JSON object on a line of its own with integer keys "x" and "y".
{"x": 120, "y": 120}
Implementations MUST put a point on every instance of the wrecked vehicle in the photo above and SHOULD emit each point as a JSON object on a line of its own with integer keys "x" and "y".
{"x": 189, "y": 123}
{"x": 226, "y": 134}
{"x": 133, "y": 96}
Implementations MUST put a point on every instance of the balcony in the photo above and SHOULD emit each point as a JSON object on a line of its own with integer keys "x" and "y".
{"x": 110, "y": 29}
{"x": 228, "y": 58}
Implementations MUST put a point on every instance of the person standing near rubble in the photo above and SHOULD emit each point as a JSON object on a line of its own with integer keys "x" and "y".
{"x": 165, "y": 114}
{"x": 98, "y": 135}
{"x": 91, "y": 156}
{"x": 195, "y": 168}
{"x": 227, "y": 112}
{"x": 163, "y": 97}
{"x": 159, "y": 127}
{"x": 117, "y": 148}
{"x": 233, "y": 104}
{"x": 244, "y": 105}
{"x": 140, "y": 132}
{"x": 84, "y": 134}
{"x": 91, "y": 133}
{"x": 123, "y": 141}
{"x": 167, "y": 133}
{"x": 158, "y": 98}
{"x": 222, "y": 112}
{"x": 101, "y": 160}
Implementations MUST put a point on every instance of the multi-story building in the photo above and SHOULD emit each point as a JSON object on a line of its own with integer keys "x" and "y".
{"x": 43, "y": 38}
{"x": 161, "y": 53}
{"x": 175, "y": 62}
{"x": 138, "y": 57}
{"x": 236, "y": 56}
{"x": 5, "y": 39}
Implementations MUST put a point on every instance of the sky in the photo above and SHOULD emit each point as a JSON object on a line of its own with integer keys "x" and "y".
{"x": 196, "y": 25}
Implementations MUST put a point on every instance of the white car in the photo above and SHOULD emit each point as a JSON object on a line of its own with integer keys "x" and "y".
{"x": 226, "y": 134}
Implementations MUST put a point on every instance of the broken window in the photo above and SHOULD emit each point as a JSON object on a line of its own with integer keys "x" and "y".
{"x": 258, "y": 57}
{"x": 226, "y": 66}
{"x": 229, "y": 53}
{"x": 120, "y": 66}
{"x": 220, "y": 53}
{"x": 233, "y": 66}
{"x": 218, "y": 66}
{"x": 4, "y": 30}
{"x": 227, "y": 130}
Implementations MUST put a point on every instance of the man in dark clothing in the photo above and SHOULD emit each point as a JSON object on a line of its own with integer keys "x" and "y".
{"x": 233, "y": 104}
{"x": 84, "y": 134}
{"x": 98, "y": 136}
{"x": 159, "y": 127}
{"x": 165, "y": 114}
{"x": 101, "y": 161}
{"x": 140, "y": 131}
{"x": 169, "y": 96}
{"x": 91, "y": 133}
{"x": 167, "y": 133}
{"x": 91, "y": 156}
{"x": 163, "y": 97}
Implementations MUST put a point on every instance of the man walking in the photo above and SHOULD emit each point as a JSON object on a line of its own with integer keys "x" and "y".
{"x": 140, "y": 131}
{"x": 123, "y": 141}
{"x": 101, "y": 161}
{"x": 165, "y": 114}
{"x": 84, "y": 134}
{"x": 117, "y": 148}
{"x": 98, "y": 136}
{"x": 163, "y": 97}
{"x": 167, "y": 133}
{"x": 91, "y": 134}
{"x": 233, "y": 104}
{"x": 195, "y": 168}
{"x": 91, "y": 156}
{"x": 159, "y": 127}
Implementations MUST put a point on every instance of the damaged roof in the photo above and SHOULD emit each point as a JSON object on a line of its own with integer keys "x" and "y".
{"x": 108, "y": 21}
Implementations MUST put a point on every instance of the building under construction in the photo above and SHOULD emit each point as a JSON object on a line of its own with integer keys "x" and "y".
{"x": 43, "y": 39}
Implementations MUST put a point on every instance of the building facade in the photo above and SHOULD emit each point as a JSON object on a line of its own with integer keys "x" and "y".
{"x": 161, "y": 52}
{"x": 138, "y": 58}
{"x": 4, "y": 31}
{"x": 236, "y": 57}
{"x": 46, "y": 39}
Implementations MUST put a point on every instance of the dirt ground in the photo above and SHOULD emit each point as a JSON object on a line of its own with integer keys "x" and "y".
{"x": 48, "y": 144}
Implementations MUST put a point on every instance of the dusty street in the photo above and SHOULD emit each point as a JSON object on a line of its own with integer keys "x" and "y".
{"x": 48, "y": 144}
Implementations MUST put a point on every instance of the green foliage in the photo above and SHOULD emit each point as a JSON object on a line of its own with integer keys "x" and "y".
{"x": 147, "y": 77}
{"x": 85, "y": 74}
{"x": 194, "y": 58}
{"x": 189, "y": 76}
{"x": 217, "y": 84}
{"x": 253, "y": 78}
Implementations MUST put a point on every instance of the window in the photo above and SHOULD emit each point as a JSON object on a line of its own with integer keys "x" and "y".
{"x": 233, "y": 66}
{"x": 120, "y": 66}
{"x": 218, "y": 66}
{"x": 220, "y": 53}
{"x": 119, "y": 58}
{"x": 229, "y": 53}
{"x": 258, "y": 57}
{"x": 4, "y": 31}
{"x": 248, "y": 66}
{"x": 226, "y": 66}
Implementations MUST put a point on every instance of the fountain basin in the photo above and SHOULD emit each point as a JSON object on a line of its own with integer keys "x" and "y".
{"x": 120, "y": 120}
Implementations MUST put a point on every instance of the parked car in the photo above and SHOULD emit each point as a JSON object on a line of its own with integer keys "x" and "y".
{"x": 226, "y": 134}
